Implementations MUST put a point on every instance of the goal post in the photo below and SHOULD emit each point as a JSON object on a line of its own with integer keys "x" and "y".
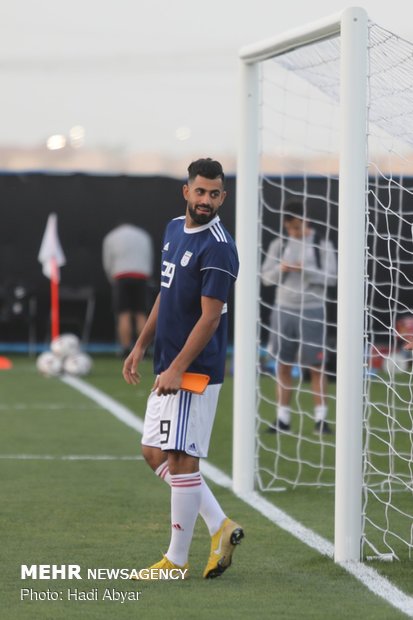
{"x": 245, "y": 339}
{"x": 350, "y": 285}
{"x": 351, "y": 25}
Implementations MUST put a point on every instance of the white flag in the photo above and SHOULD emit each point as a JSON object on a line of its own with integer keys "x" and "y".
{"x": 51, "y": 248}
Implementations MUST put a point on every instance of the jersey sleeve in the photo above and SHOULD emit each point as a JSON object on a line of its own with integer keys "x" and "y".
{"x": 219, "y": 269}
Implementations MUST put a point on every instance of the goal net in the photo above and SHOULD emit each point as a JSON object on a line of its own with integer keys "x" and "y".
{"x": 299, "y": 136}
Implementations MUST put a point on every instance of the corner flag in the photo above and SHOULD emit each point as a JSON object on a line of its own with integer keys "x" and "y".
{"x": 52, "y": 258}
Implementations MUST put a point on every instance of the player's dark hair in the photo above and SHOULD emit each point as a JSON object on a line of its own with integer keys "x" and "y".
{"x": 207, "y": 168}
{"x": 293, "y": 210}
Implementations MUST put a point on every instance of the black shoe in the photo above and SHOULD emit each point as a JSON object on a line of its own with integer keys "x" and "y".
{"x": 322, "y": 428}
{"x": 279, "y": 426}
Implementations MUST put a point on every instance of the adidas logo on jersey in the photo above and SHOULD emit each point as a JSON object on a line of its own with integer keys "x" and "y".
{"x": 166, "y": 247}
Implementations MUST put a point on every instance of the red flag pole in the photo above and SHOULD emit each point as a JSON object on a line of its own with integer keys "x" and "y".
{"x": 54, "y": 298}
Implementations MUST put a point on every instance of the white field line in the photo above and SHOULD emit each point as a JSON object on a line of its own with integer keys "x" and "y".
{"x": 365, "y": 574}
{"x": 123, "y": 414}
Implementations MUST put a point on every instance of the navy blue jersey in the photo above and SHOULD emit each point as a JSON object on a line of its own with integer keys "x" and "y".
{"x": 196, "y": 262}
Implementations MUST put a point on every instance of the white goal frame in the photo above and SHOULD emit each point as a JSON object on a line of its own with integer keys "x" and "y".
{"x": 352, "y": 27}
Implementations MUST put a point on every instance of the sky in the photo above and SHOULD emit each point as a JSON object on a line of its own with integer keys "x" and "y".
{"x": 143, "y": 75}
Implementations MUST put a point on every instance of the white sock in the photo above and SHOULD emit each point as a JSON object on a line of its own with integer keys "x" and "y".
{"x": 185, "y": 502}
{"x": 283, "y": 414}
{"x": 210, "y": 510}
{"x": 320, "y": 413}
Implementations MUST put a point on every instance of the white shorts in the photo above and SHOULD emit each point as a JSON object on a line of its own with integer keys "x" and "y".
{"x": 181, "y": 421}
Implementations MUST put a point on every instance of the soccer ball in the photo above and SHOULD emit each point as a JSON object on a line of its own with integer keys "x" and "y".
{"x": 65, "y": 344}
{"x": 78, "y": 364}
{"x": 49, "y": 364}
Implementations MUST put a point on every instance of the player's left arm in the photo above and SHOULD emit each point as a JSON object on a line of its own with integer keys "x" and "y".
{"x": 169, "y": 381}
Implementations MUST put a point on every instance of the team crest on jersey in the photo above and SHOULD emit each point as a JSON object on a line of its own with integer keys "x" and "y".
{"x": 186, "y": 258}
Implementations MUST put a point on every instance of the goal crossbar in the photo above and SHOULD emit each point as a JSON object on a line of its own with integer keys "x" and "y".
{"x": 290, "y": 40}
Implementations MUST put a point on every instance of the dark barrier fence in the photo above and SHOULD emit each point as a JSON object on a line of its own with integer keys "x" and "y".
{"x": 89, "y": 206}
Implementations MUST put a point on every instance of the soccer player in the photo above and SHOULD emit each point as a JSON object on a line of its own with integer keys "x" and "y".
{"x": 301, "y": 266}
{"x": 189, "y": 325}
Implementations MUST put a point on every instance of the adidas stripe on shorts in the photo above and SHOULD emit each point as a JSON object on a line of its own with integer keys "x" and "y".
{"x": 181, "y": 421}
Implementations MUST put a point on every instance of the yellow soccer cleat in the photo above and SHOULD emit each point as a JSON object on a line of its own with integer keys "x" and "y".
{"x": 223, "y": 544}
{"x": 164, "y": 569}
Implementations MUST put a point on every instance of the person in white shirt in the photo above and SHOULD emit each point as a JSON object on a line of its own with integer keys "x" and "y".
{"x": 301, "y": 266}
{"x": 127, "y": 255}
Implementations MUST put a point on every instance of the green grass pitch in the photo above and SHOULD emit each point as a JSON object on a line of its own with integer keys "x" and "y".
{"x": 114, "y": 513}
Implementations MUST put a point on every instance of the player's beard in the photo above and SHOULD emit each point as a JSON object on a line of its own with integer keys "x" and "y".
{"x": 200, "y": 218}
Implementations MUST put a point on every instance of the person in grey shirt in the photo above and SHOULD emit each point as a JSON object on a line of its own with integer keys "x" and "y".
{"x": 127, "y": 256}
{"x": 301, "y": 266}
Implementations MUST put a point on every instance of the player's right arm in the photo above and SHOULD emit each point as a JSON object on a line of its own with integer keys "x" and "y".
{"x": 106, "y": 259}
{"x": 271, "y": 267}
{"x": 130, "y": 366}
